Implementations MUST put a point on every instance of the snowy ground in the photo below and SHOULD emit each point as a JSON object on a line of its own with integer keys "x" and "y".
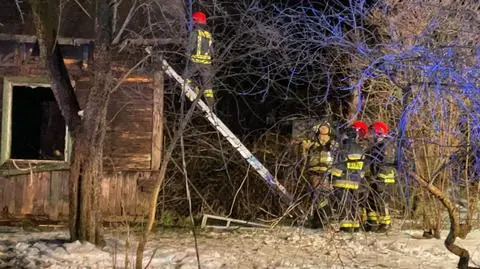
{"x": 277, "y": 248}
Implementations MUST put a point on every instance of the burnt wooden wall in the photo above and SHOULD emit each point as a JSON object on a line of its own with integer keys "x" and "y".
{"x": 128, "y": 148}
{"x": 45, "y": 195}
{"x": 128, "y": 141}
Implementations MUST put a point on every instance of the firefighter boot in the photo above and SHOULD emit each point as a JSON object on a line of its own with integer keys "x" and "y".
{"x": 363, "y": 218}
{"x": 349, "y": 226}
{"x": 371, "y": 224}
{"x": 385, "y": 223}
{"x": 315, "y": 220}
{"x": 320, "y": 214}
{"x": 382, "y": 228}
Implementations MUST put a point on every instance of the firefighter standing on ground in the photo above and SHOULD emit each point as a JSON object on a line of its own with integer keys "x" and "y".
{"x": 348, "y": 174}
{"x": 382, "y": 177}
{"x": 200, "y": 48}
{"x": 318, "y": 154}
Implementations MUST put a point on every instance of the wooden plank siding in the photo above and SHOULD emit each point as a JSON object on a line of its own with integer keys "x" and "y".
{"x": 45, "y": 194}
{"x": 128, "y": 144}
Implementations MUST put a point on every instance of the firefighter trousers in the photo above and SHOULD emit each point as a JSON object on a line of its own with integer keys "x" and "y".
{"x": 201, "y": 75}
{"x": 321, "y": 204}
{"x": 322, "y": 208}
{"x": 346, "y": 203}
{"x": 378, "y": 216}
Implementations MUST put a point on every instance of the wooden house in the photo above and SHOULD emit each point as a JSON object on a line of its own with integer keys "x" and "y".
{"x": 35, "y": 145}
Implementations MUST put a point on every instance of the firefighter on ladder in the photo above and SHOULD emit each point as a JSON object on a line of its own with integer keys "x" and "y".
{"x": 348, "y": 174}
{"x": 318, "y": 154}
{"x": 200, "y": 48}
{"x": 382, "y": 177}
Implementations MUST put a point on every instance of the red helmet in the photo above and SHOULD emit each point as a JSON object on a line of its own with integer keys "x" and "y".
{"x": 199, "y": 17}
{"x": 361, "y": 127}
{"x": 380, "y": 128}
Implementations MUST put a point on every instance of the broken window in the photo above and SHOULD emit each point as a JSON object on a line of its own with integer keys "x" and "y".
{"x": 33, "y": 127}
{"x": 38, "y": 128}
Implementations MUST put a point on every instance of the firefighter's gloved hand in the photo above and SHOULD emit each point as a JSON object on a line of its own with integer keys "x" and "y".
{"x": 307, "y": 144}
{"x": 211, "y": 103}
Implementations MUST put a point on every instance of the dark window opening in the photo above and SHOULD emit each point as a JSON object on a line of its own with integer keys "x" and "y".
{"x": 38, "y": 127}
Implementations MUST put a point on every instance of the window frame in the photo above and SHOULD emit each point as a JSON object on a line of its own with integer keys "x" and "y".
{"x": 6, "y": 138}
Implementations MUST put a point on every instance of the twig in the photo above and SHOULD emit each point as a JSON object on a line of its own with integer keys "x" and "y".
{"x": 160, "y": 179}
{"x": 17, "y": 3}
{"x": 83, "y": 9}
{"x": 115, "y": 15}
{"x": 119, "y": 83}
{"x": 150, "y": 41}
{"x": 185, "y": 174}
{"x": 193, "y": 187}
{"x": 151, "y": 258}
{"x": 133, "y": 8}
{"x": 238, "y": 191}
{"x": 118, "y": 112}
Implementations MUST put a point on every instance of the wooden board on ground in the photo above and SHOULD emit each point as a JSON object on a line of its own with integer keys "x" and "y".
{"x": 229, "y": 223}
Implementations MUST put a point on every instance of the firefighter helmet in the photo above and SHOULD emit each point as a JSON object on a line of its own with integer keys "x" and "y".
{"x": 380, "y": 128}
{"x": 199, "y": 18}
{"x": 361, "y": 127}
{"x": 323, "y": 128}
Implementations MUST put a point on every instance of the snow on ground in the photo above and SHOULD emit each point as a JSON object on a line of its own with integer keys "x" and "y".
{"x": 276, "y": 248}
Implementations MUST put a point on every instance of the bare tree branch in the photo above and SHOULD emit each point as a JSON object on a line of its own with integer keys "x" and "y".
{"x": 147, "y": 42}
{"x": 83, "y": 9}
{"x": 130, "y": 15}
{"x": 17, "y": 3}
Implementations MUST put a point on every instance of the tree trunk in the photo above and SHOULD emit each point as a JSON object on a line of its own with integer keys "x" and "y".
{"x": 44, "y": 20}
{"x": 87, "y": 163}
{"x": 88, "y": 134}
{"x": 455, "y": 227}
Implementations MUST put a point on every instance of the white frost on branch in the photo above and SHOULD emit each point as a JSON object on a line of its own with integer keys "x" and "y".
{"x": 17, "y": 3}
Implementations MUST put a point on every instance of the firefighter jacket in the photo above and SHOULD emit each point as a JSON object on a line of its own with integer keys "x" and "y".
{"x": 348, "y": 171}
{"x": 319, "y": 157}
{"x": 382, "y": 161}
{"x": 201, "y": 46}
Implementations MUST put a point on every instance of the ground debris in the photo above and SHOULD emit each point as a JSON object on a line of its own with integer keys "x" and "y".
{"x": 269, "y": 249}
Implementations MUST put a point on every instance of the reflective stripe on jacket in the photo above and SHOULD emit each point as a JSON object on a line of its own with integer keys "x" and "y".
{"x": 346, "y": 184}
{"x": 387, "y": 220}
{"x": 320, "y": 157}
{"x": 355, "y": 161}
{"x": 382, "y": 156}
{"x": 348, "y": 173}
{"x": 387, "y": 174}
{"x": 208, "y": 93}
{"x": 202, "y": 53}
{"x": 321, "y": 161}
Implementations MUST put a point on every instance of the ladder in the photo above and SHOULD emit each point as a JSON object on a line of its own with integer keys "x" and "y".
{"x": 271, "y": 181}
